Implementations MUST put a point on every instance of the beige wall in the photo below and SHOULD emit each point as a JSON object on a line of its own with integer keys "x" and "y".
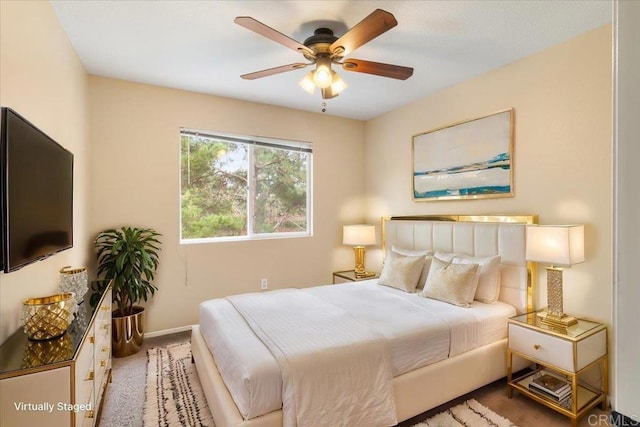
{"x": 42, "y": 78}
{"x": 562, "y": 102}
{"x": 134, "y": 134}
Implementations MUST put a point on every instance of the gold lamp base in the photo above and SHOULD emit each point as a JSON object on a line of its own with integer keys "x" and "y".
{"x": 364, "y": 274}
{"x": 554, "y": 316}
{"x": 359, "y": 270}
{"x": 558, "y": 322}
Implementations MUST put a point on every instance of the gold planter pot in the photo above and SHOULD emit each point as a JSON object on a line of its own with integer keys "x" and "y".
{"x": 127, "y": 332}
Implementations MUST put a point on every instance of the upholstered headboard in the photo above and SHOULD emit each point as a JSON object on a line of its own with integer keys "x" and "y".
{"x": 479, "y": 235}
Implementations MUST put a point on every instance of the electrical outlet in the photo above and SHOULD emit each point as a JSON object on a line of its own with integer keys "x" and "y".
{"x": 264, "y": 284}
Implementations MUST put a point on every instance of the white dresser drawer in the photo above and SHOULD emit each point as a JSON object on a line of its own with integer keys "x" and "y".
{"x": 84, "y": 371}
{"x": 542, "y": 347}
{"x": 86, "y": 416}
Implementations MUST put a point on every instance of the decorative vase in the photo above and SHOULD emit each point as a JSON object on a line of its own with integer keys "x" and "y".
{"x": 74, "y": 280}
{"x": 127, "y": 332}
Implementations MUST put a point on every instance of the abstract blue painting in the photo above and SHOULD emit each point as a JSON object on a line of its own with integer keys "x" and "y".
{"x": 466, "y": 160}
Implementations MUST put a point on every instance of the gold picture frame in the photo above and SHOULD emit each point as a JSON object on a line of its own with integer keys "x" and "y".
{"x": 471, "y": 159}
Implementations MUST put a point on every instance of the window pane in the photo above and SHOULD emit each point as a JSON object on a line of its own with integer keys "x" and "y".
{"x": 213, "y": 188}
{"x": 280, "y": 190}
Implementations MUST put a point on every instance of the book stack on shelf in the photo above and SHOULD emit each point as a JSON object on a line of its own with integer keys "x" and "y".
{"x": 552, "y": 387}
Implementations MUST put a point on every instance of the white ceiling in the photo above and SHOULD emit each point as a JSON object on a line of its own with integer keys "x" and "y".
{"x": 195, "y": 45}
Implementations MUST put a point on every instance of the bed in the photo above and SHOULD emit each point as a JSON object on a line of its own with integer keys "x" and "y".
{"x": 244, "y": 377}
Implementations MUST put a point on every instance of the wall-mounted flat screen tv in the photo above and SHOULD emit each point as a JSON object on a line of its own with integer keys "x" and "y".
{"x": 37, "y": 193}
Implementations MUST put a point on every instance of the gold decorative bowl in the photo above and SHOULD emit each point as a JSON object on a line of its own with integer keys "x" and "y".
{"x": 48, "y": 317}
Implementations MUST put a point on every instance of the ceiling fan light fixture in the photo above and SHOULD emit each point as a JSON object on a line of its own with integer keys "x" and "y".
{"x": 322, "y": 76}
{"x": 307, "y": 83}
{"x": 337, "y": 85}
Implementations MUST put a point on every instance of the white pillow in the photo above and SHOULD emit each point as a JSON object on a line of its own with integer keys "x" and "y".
{"x": 452, "y": 283}
{"x": 427, "y": 264}
{"x": 489, "y": 281}
{"x": 401, "y": 272}
{"x": 444, "y": 256}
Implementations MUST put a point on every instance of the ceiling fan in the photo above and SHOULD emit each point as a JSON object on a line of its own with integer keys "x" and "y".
{"x": 323, "y": 48}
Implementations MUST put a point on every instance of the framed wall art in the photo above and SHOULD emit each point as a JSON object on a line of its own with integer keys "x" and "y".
{"x": 472, "y": 159}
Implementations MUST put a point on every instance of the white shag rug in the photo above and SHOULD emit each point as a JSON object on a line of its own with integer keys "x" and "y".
{"x": 173, "y": 395}
{"x": 467, "y": 414}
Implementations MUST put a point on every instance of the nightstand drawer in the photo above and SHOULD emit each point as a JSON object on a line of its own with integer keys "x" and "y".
{"x": 542, "y": 347}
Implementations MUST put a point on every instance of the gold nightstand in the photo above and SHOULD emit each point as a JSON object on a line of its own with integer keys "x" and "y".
{"x": 350, "y": 276}
{"x": 563, "y": 353}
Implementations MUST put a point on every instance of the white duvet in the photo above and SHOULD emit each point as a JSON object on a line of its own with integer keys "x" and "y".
{"x": 336, "y": 370}
{"x": 418, "y": 331}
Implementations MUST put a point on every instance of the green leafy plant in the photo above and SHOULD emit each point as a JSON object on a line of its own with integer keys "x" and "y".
{"x": 129, "y": 257}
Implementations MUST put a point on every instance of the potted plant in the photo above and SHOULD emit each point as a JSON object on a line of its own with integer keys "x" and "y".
{"x": 129, "y": 257}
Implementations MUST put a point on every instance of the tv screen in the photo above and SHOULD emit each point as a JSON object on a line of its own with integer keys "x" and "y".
{"x": 37, "y": 193}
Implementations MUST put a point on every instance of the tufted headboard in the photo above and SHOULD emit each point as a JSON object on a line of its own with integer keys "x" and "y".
{"x": 477, "y": 235}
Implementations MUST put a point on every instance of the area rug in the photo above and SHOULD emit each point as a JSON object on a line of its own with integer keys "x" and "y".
{"x": 467, "y": 414}
{"x": 173, "y": 395}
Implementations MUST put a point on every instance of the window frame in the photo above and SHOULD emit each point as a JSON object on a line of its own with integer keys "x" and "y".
{"x": 250, "y": 142}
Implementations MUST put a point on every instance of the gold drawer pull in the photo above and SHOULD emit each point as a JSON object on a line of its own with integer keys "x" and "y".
{"x": 90, "y": 413}
{"x": 105, "y": 308}
{"x": 92, "y": 339}
{"x": 90, "y": 377}
{"x": 537, "y": 346}
{"x": 103, "y": 363}
{"x": 105, "y": 348}
{"x": 105, "y": 326}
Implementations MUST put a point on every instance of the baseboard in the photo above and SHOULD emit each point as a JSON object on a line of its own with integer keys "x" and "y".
{"x": 619, "y": 420}
{"x": 167, "y": 331}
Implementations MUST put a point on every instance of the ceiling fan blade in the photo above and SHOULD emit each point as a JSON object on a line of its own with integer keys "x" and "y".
{"x": 377, "y": 68}
{"x": 275, "y": 70}
{"x": 378, "y": 22}
{"x": 268, "y": 32}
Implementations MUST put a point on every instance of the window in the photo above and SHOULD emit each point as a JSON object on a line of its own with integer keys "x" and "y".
{"x": 235, "y": 187}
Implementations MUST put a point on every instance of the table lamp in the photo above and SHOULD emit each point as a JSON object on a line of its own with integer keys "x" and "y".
{"x": 359, "y": 236}
{"x": 561, "y": 246}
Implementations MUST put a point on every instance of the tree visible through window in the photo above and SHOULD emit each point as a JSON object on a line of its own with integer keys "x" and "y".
{"x": 238, "y": 187}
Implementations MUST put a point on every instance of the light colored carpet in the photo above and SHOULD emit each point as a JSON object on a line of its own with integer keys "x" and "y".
{"x": 467, "y": 414}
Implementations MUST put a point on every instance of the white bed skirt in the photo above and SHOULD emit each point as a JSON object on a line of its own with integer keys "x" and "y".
{"x": 415, "y": 392}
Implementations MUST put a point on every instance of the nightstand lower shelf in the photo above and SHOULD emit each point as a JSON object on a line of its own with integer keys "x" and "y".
{"x": 587, "y": 397}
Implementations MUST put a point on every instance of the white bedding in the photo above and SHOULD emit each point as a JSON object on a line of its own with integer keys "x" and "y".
{"x": 419, "y": 331}
{"x": 336, "y": 369}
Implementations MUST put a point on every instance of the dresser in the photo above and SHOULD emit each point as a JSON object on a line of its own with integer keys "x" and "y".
{"x": 562, "y": 355}
{"x": 58, "y": 382}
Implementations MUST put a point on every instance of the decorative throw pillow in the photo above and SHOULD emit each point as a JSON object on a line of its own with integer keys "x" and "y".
{"x": 444, "y": 256}
{"x": 452, "y": 283}
{"x": 489, "y": 281}
{"x": 425, "y": 268}
{"x": 401, "y": 272}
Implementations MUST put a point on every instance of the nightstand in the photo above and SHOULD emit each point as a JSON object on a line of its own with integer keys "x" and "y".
{"x": 350, "y": 276}
{"x": 563, "y": 353}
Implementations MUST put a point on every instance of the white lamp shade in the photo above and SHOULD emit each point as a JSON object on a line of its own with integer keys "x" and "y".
{"x": 359, "y": 235}
{"x": 560, "y": 245}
